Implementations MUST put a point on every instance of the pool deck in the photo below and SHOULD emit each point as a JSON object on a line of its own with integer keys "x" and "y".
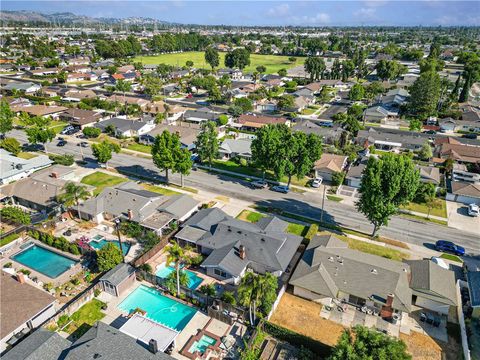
{"x": 42, "y": 278}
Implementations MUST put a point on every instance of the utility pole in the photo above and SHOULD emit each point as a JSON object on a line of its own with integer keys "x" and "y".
{"x": 117, "y": 226}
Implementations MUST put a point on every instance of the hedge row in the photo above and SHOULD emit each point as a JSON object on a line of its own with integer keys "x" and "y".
{"x": 59, "y": 243}
{"x": 297, "y": 340}
{"x": 312, "y": 231}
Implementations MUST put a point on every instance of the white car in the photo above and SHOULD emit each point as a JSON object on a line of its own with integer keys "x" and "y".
{"x": 317, "y": 182}
{"x": 440, "y": 262}
{"x": 473, "y": 210}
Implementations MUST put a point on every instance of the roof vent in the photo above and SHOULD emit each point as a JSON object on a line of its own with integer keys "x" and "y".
{"x": 262, "y": 239}
{"x": 330, "y": 258}
{"x": 374, "y": 271}
{"x": 340, "y": 261}
{"x": 239, "y": 232}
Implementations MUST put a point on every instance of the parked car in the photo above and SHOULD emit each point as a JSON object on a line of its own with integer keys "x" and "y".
{"x": 430, "y": 132}
{"x": 473, "y": 210}
{"x": 67, "y": 130}
{"x": 440, "y": 262}
{"x": 259, "y": 184}
{"x": 450, "y": 247}
{"x": 469, "y": 136}
{"x": 62, "y": 143}
{"x": 281, "y": 188}
{"x": 83, "y": 144}
{"x": 317, "y": 182}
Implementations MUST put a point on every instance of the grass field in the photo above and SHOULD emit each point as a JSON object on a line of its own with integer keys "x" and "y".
{"x": 159, "y": 190}
{"x": 101, "y": 180}
{"x": 422, "y": 208}
{"x": 273, "y": 63}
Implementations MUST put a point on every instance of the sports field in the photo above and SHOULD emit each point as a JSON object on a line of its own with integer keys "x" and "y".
{"x": 273, "y": 63}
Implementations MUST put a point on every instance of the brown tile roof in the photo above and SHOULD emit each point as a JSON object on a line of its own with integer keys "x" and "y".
{"x": 39, "y": 110}
{"x": 460, "y": 152}
{"x": 261, "y": 120}
{"x": 447, "y": 140}
{"x": 81, "y": 116}
{"x": 331, "y": 162}
{"x": 465, "y": 188}
{"x": 19, "y": 303}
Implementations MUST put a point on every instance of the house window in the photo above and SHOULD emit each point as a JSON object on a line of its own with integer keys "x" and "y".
{"x": 220, "y": 273}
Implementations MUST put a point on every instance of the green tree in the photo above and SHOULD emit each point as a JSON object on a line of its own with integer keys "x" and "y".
{"x": 223, "y": 120}
{"x": 238, "y": 58}
{"x": 91, "y": 132}
{"x": 245, "y": 103}
{"x": 258, "y": 292}
{"x": 124, "y": 87}
{"x": 208, "y": 289}
{"x": 211, "y": 57}
{"x": 357, "y": 92}
{"x": 72, "y": 195}
{"x": 361, "y": 343}
{"x": 179, "y": 257}
{"x": 265, "y": 147}
{"x": 348, "y": 69}
{"x": 38, "y": 135}
{"x": 11, "y": 145}
{"x": 261, "y": 69}
{"x": 163, "y": 151}
{"x": 183, "y": 162}
{"x": 108, "y": 257}
{"x": 189, "y": 63}
{"x": 286, "y": 102}
{"x": 387, "y": 183}
{"x": 415, "y": 125}
{"x": 173, "y": 279}
{"x": 282, "y": 72}
{"x": 207, "y": 142}
{"x": 6, "y": 117}
{"x": 15, "y": 214}
{"x": 388, "y": 69}
{"x": 315, "y": 66}
{"x": 103, "y": 151}
{"x": 424, "y": 95}
{"x": 425, "y": 152}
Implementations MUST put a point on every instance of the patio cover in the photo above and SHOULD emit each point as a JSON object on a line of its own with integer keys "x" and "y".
{"x": 144, "y": 330}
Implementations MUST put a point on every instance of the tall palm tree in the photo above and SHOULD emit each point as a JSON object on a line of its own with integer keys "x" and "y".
{"x": 72, "y": 195}
{"x": 178, "y": 256}
{"x": 248, "y": 293}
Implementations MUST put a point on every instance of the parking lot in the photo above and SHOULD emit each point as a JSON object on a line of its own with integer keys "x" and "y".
{"x": 458, "y": 218}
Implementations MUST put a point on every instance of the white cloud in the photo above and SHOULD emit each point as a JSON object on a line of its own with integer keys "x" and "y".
{"x": 365, "y": 13}
{"x": 317, "y": 19}
{"x": 279, "y": 10}
{"x": 374, "y": 3}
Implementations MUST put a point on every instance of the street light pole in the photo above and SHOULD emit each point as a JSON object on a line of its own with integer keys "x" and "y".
{"x": 117, "y": 225}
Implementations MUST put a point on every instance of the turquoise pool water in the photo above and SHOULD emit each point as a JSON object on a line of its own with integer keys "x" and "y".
{"x": 194, "y": 281}
{"x": 202, "y": 344}
{"x": 160, "y": 308}
{"x": 44, "y": 261}
{"x": 99, "y": 244}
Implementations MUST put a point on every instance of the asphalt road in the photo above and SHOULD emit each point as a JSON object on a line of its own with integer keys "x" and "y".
{"x": 305, "y": 204}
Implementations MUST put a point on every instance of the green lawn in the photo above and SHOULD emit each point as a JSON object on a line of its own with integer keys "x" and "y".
{"x": 250, "y": 216}
{"x": 140, "y": 147}
{"x": 297, "y": 229}
{"x": 101, "y": 180}
{"x": 273, "y": 63}
{"x": 8, "y": 239}
{"x": 26, "y": 155}
{"x": 334, "y": 198}
{"x": 159, "y": 190}
{"x": 422, "y": 208}
{"x": 86, "y": 316}
{"x": 308, "y": 111}
{"x": 451, "y": 257}
{"x": 58, "y": 126}
{"x": 424, "y": 218}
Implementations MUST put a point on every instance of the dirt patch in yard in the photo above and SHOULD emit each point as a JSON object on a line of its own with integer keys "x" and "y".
{"x": 423, "y": 347}
{"x": 303, "y": 317}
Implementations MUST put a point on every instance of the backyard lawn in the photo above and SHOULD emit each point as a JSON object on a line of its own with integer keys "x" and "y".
{"x": 273, "y": 63}
{"x": 102, "y": 180}
{"x": 422, "y": 208}
{"x": 159, "y": 190}
{"x": 84, "y": 317}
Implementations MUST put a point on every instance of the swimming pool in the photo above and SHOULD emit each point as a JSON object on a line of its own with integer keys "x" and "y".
{"x": 97, "y": 245}
{"x": 163, "y": 271}
{"x": 44, "y": 261}
{"x": 162, "y": 309}
{"x": 202, "y": 344}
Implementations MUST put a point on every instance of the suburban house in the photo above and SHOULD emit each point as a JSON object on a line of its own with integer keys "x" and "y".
{"x": 40, "y": 110}
{"x": 232, "y": 148}
{"x": 14, "y": 168}
{"x": 330, "y": 132}
{"x": 391, "y": 139}
{"x": 233, "y": 246}
{"x": 460, "y": 173}
{"x": 264, "y": 105}
{"x": 379, "y": 114}
{"x": 101, "y": 341}
{"x": 328, "y": 165}
{"x": 450, "y": 125}
{"x": 131, "y": 202}
{"x": 78, "y": 95}
{"x": 395, "y": 98}
{"x": 43, "y": 71}
{"x": 128, "y": 100}
{"x": 200, "y": 115}
{"x": 459, "y": 152}
{"x": 429, "y": 174}
{"x": 254, "y": 122}
{"x": 330, "y": 272}
{"x": 28, "y": 88}
{"x": 353, "y": 177}
{"x": 81, "y": 118}
{"x": 327, "y": 116}
{"x": 188, "y": 134}
{"x": 118, "y": 279}
{"x": 23, "y": 307}
{"x": 127, "y": 127}
{"x": 464, "y": 192}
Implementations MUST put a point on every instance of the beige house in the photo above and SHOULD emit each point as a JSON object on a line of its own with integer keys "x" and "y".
{"x": 328, "y": 165}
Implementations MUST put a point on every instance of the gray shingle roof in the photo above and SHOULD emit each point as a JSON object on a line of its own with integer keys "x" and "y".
{"x": 328, "y": 266}
{"x": 121, "y": 125}
{"x": 11, "y": 165}
{"x": 118, "y": 274}
{"x": 473, "y": 278}
{"x": 237, "y": 146}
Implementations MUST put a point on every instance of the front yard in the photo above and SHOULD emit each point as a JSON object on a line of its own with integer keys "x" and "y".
{"x": 422, "y": 208}
{"x": 102, "y": 180}
{"x": 253, "y": 217}
{"x": 159, "y": 190}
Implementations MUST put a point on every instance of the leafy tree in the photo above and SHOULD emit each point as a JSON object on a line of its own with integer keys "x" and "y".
{"x": 348, "y": 69}
{"x": 425, "y": 151}
{"x": 315, "y": 66}
{"x": 123, "y": 86}
{"x": 282, "y": 72}
{"x": 91, "y": 132}
{"x": 223, "y": 119}
{"x": 208, "y": 289}
{"x": 235, "y": 110}
{"x": 415, "y": 125}
{"x": 207, "y": 142}
{"x": 245, "y": 103}
{"x": 103, "y": 151}
{"x": 286, "y": 102}
{"x": 387, "y": 183}
{"x": 258, "y": 292}
{"x": 72, "y": 195}
{"x": 163, "y": 151}
{"x": 238, "y": 58}
{"x": 430, "y": 64}
{"x": 228, "y": 297}
{"x": 11, "y": 145}
{"x": 389, "y": 69}
{"x": 211, "y": 57}
{"x": 357, "y": 92}
{"x": 177, "y": 256}
{"x": 183, "y": 162}
{"x": 15, "y": 214}
{"x": 261, "y": 69}
{"x": 424, "y": 95}
{"x": 6, "y": 117}
{"x": 292, "y": 59}
{"x": 424, "y": 192}
{"x": 265, "y": 147}
{"x": 189, "y": 63}
{"x": 65, "y": 159}
{"x": 108, "y": 257}
{"x": 361, "y": 343}
{"x": 174, "y": 279}
{"x": 337, "y": 178}
{"x": 432, "y": 203}
{"x": 40, "y": 135}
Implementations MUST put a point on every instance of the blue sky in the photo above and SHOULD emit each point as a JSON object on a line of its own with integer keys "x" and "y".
{"x": 313, "y": 13}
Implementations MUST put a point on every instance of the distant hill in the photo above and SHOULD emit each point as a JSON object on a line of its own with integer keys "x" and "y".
{"x": 70, "y": 18}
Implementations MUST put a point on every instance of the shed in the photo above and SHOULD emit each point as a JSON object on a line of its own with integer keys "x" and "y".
{"x": 118, "y": 279}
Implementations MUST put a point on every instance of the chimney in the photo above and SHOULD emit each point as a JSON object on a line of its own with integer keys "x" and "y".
{"x": 21, "y": 278}
{"x": 54, "y": 175}
{"x": 241, "y": 252}
{"x": 130, "y": 214}
{"x": 153, "y": 346}
{"x": 389, "y": 300}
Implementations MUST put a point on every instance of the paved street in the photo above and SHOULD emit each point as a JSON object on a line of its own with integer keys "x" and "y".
{"x": 306, "y": 204}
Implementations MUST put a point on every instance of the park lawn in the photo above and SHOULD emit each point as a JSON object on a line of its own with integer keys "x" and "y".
{"x": 101, "y": 180}
{"x": 26, "y": 155}
{"x": 451, "y": 257}
{"x": 273, "y": 63}
{"x": 250, "y": 216}
{"x": 140, "y": 148}
{"x": 86, "y": 316}
{"x": 422, "y": 208}
{"x": 159, "y": 190}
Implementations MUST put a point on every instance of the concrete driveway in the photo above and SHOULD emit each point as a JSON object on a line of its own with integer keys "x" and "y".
{"x": 458, "y": 218}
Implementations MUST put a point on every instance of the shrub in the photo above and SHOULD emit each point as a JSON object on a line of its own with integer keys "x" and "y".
{"x": 25, "y": 271}
{"x": 196, "y": 260}
{"x": 243, "y": 162}
{"x": 91, "y": 132}
{"x": 337, "y": 178}
{"x": 131, "y": 229}
{"x": 75, "y": 282}
{"x": 208, "y": 290}
{"x": 229, "y": 298}
{"x": 147, "y": 268}
{"x": 11, "y": 145}
{"x": 96, "y": 292}
{"x": 48, "y": 286}
{"x": 312, "y": 231}
{"x": 16, "y": 215}
{"x": 66, "y": 159}
{"x": 7, "y": 265}
{"x": 223, "y": 119}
